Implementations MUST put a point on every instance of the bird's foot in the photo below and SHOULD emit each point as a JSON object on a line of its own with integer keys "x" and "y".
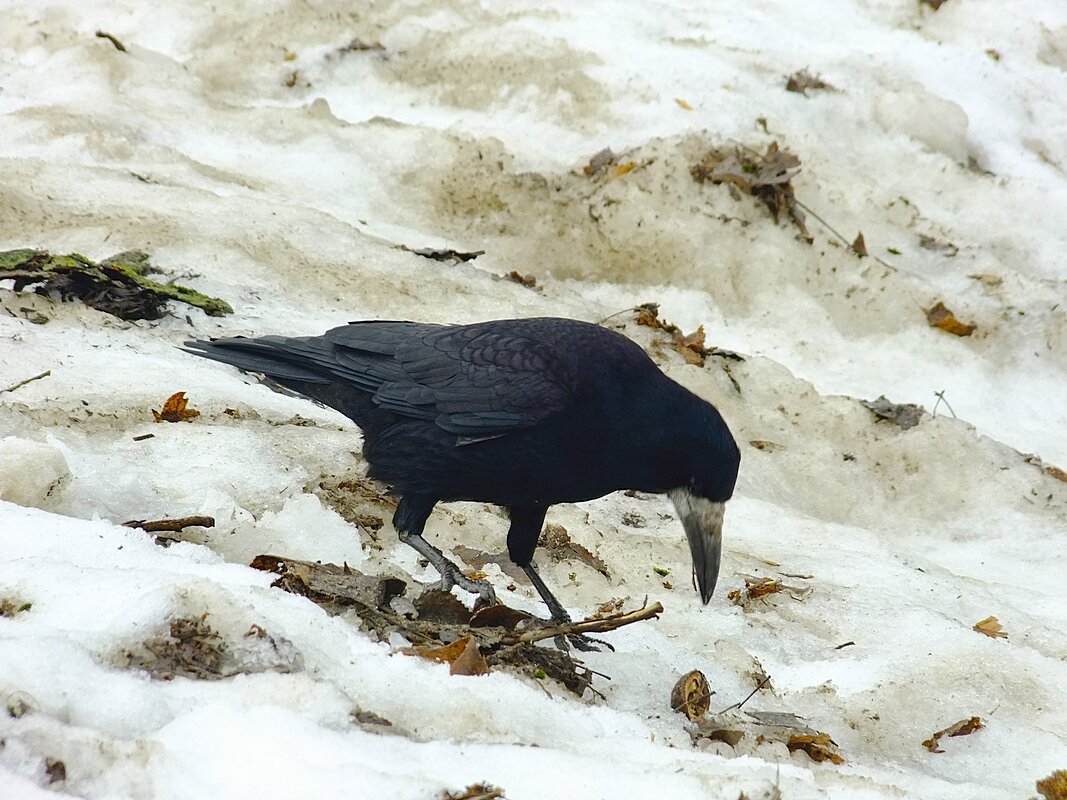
{"x": 453, "y": 577}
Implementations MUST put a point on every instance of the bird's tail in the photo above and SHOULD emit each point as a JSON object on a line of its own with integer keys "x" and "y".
{"x": 269, "y": 355}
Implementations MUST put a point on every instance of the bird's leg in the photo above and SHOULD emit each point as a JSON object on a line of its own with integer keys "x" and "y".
{"x": 409, "y": 521}
{"x": 560, "y": 615}
{"x": 526, "y": 522}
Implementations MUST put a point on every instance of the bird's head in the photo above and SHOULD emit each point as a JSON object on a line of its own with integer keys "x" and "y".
{"x": 714, "y": 459}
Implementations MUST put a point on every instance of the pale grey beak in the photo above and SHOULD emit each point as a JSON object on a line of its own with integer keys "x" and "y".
{"x": 702, "y": 520}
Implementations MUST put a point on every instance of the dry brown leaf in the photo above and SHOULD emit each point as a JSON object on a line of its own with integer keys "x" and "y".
{"x": 754, "y": 588}
{"x": 176, "y": 409}
{"x": 859, "y": 247}
{"x": 691, "y": 695}
{"x": 476, "y": 791}
{"x": 962, "y": 728}
{"x": 1056, "y": 473}
{"x": 991, "y": 628}
{"x": 683, "y": 104}
{"x": 938, "y": 316}
{"x": 462, "y": 656}
{"x": 560, "y": 547}
{"x": 1054, "y": 787}
{"x": 818, "y": 746}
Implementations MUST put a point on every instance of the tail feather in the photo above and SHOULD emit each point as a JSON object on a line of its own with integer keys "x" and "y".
{"x": 258, "y": 355}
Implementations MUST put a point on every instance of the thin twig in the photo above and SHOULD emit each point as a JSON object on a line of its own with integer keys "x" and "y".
{"x": 759, "y": 686}
{"x": 612, "y": 316}
{"x": 941, "y": 399}
{"x": 118, "y": 45}
{"x": 588, "y": 625}
{"x": 172, "y": 525}
{"x": 20, "y": 384}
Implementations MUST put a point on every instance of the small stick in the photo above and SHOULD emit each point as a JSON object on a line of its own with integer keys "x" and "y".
{"x": 941, "y": 399}
{"x": 118, "y": 45}
{"x": 171, "y": 525}
{"x": 589, "y": 625}
{"x": 20, "y": 384}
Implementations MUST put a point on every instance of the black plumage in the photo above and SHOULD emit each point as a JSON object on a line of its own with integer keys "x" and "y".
{"x": 520, "y": 413}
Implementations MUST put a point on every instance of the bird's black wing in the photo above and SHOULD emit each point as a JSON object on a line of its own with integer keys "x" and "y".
{"x": 477, "y": 381}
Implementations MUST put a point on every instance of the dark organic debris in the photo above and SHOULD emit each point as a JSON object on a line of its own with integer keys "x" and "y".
{"x": 55, "y": 771}
{"x": 496, "y": 635}
{"x": 964, "y": 727}
{"x": 560, "y": 547}
{"x": 170, "y": 525}
{"x": 604, "y": 158}
{"x": 906, "y": 415}
{"x": 9, "y": 607}
{"x": 117, "y": 285}
{"x": 175, "y": 409}
{"x": 691, "y": 695}
{"x": 938, "y": 316}
{"x": 803, "y": 81}
{"x": 191, "y": 648}
{"x": 476, "y": 791}
{"x": 859, "y": 247}
{"x": 444, "y": 254}
{"x": 529, "y": 281}
{"x": 358, "y": 45}
{"x": 934, "y": 4}
{"x": 948, "y": 249}
{"x": 477, "y": 559}
{"x": 767, "y": 177}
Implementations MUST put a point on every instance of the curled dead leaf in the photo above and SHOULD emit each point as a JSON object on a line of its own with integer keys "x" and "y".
{"x": 991, "y": 627}
{"x": 691, "y": 695}
{"x": 175, "y": 409}
{"x": 964, "y": 727}
{"x": 462, "y": 656}
{"x": 938, "y": 316}
{"x": 818, "y": 746}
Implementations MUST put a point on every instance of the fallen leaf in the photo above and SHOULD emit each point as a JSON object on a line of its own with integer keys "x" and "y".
{"x": 767, "y": 177}
{"x": 683, "y": 104}
{"x": 906, "y": 415}
{"x": 859, "y": 247}
{"x": 462, "y": 656}
{"x": 498, "y": 616}
{"x": 529, "y": 281}
{"x": 991, "y": 628}
{"x": 435, "y": 605}
{"x": 934, "y": 4}
{"x": 1056, "y": 473}
{"x": 691, "y": 695}
{"x": 622, "y": 169}
{"x": 1054, "y": 787}
{"x": 55, "y": 770}
{"x": 938, "y": 316}
{"x": 962, "y": 728}
{"x": 754, "y": 588}
{"x": 819, "y": 747}
{"x": 175, "y": 410}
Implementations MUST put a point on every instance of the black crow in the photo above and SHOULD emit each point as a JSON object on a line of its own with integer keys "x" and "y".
{"x": 521, "y": 413}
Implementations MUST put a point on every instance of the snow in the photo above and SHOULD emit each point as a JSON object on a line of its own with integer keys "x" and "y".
{"x": 469, "y": 130}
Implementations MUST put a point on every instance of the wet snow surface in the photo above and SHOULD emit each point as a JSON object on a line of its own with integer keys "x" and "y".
{"x": 260, "y": 158}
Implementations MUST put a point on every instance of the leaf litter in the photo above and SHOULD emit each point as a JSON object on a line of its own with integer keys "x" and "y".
{"x": 175, "y": 409}
{"x": 441, "y": 628}
{"x": 767, "y": 177}
{"x": 964, "y": 727}
{"x": 991, "y": 627}
{"x": 118, "y": 285}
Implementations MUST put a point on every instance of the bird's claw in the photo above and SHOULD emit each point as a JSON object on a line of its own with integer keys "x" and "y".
{"x": 579, "y": 641}
{"x": 482, "y": 588}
